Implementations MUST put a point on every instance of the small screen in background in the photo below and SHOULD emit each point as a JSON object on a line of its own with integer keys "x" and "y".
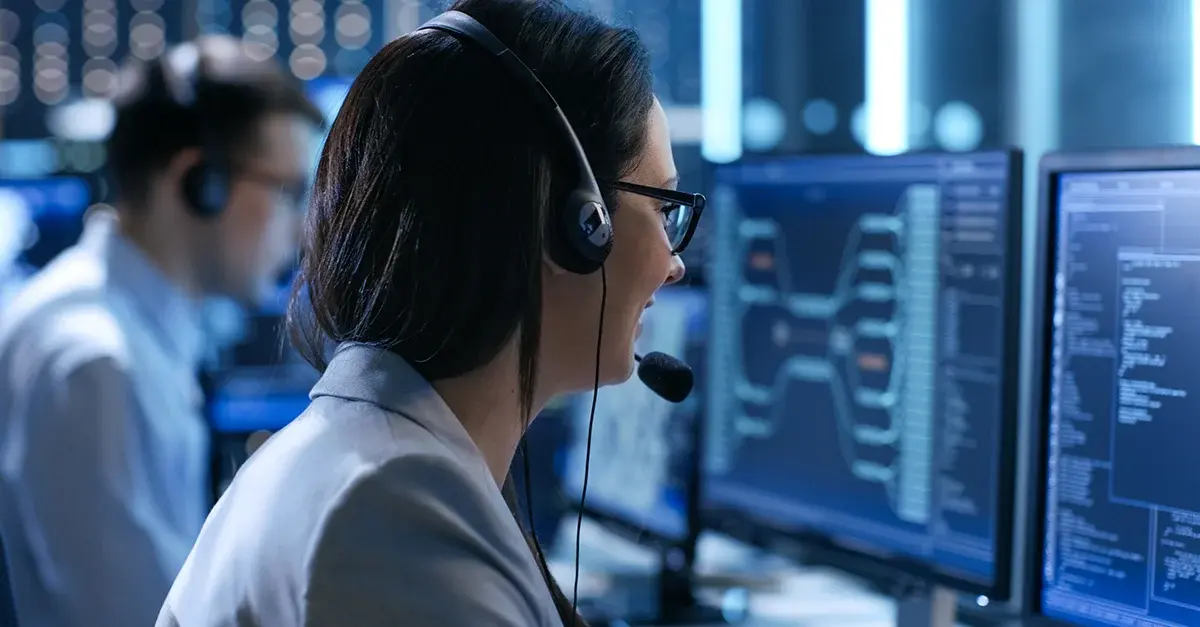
{"x": 45, "y": 217}
{"x": 642, "y": 445}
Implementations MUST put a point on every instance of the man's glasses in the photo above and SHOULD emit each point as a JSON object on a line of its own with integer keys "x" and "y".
{"x": 293, "y": 193}
{"x": 680, "y": 211}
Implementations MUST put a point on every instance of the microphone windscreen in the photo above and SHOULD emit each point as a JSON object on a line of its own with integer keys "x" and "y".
{"x": 666, "y": 376}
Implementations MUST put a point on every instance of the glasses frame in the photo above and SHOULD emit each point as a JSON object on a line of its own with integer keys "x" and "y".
{"x": 696, "y": 202}
{"x": 293, "y": 192}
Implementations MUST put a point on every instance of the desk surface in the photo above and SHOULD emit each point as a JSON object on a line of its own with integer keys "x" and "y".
{"x": 799, "y": 596}
{"x": 807, "y": 597}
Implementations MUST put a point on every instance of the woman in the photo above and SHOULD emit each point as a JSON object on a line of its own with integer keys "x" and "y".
{"x": 427, "y": 264}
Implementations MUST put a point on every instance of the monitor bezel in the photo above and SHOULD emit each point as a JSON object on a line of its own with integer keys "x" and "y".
{"x": 1051, "y": 167}
{"x": 684, "y": 545}
{"x": 892, "y": 571}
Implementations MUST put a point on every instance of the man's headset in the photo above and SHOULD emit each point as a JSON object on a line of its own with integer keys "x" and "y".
{"x": 581, "y": 237}
{"x": 178, "y": 77}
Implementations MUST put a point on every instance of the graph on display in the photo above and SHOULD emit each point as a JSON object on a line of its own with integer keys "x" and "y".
{"x": 865, "y": 360}
{"x": 1122, "y": 520}
{"x": 642, "y": 445}
{"x": 857, "y": 366}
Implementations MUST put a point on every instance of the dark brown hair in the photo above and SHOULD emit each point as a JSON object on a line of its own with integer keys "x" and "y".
{"x": 232, "y": 97}
{"x": 426, "y": 230}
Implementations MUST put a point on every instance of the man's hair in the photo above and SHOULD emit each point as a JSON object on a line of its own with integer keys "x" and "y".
{"x": 211, "y": 93}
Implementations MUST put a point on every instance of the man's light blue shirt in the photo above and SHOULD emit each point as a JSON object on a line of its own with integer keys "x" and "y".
{"x": 103, "y": 445}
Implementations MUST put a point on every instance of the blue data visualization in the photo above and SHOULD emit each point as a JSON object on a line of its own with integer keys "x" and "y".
{"x": 858, "y": 355}
{"x": 642, "y": 445}
{"x": 1122, "y": 515}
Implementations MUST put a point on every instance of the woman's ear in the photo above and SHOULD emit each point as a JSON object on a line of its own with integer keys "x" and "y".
{"x": 550, "y": 267}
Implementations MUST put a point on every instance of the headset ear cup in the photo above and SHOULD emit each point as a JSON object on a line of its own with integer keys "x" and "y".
{"x": 565, "y": 255}
{"x": 204, "y": 190}
{"x": 596, "y": 228}
{"x": 585, "y": 234}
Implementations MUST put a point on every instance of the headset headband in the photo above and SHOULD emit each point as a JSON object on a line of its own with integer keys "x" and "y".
{"x": 584, "y": 218}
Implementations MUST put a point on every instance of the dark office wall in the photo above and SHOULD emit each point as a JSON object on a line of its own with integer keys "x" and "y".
{"x": 800, "y": 51}
{"x": 1125, "y": 72}
{"x": 957, "y": 56}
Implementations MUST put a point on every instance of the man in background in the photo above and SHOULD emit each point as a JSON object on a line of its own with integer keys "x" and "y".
{"x": 104, "y": 450}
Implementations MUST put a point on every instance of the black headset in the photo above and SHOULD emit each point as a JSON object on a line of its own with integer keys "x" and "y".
{"x": 206, "y": 184}
{"x": 581, "y": 233}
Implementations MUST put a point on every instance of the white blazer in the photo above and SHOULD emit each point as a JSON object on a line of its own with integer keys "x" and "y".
{"x": 373, "y": 508}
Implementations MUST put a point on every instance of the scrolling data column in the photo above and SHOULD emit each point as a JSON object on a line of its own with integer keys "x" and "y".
{"x": 920, "y": 308}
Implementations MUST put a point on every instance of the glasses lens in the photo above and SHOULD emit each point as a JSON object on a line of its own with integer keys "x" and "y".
{"x": 676, "y": 219}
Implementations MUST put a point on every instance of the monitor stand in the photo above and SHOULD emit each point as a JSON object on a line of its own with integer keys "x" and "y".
{"x": 934, "y": 606}
{"x": 677, "y": 602}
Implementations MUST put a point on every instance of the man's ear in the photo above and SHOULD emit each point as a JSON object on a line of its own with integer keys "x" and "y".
{"x": 179, "y": 165}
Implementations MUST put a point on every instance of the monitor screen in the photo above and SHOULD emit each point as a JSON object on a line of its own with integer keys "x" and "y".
{"x": 327, "y": 93}
{"x": 643, "y": 446}
{"x": 1122, "y": 494}
{"x": 265, "y": 385}
{"x": 40, "y": 218}
{"x": 859, "y": 355}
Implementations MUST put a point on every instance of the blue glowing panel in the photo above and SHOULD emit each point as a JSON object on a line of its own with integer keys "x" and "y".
{"x": 51, "y": 199}
{"x": 266, "y": 384}
{"x": 642, "y": 445}
{"x": 49, "y": 212}
{"x": 857, "y": 355}
{"x": 327, "y": 93}
{"x": 249, "y": 406}
{"x": 1122, "y": 541}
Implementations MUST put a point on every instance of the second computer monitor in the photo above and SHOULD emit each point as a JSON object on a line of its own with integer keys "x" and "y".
{"x": 864, "y": 336}
{"x": 643, "y": 447}
{"x": 1119, "y": 493}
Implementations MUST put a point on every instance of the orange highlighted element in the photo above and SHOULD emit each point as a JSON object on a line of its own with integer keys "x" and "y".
{"x": 873, "y": 362}
{"x": 762, "y": 261}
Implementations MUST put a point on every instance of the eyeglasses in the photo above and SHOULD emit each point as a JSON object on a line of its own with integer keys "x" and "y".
{"x": 293, "y": 193}
{"x": 680, "y": 211}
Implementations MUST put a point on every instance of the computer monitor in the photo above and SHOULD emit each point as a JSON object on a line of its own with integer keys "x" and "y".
{"x": 258, "y": 388}
{"x": 263, "y": 384}
{"x": 41, "y": 217}
{"x": 1118, "y": 487}
{"x": 862, "y": 393}
{"x": 643, "y": 447}
{"x": 327, "y": 93}
{"x": 643, "y": 473}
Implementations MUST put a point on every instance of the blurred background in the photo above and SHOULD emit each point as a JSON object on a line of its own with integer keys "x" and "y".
{"x": 740, "y": 79}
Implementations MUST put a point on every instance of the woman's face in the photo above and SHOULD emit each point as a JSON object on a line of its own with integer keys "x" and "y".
{"x": 640, "y": 263}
